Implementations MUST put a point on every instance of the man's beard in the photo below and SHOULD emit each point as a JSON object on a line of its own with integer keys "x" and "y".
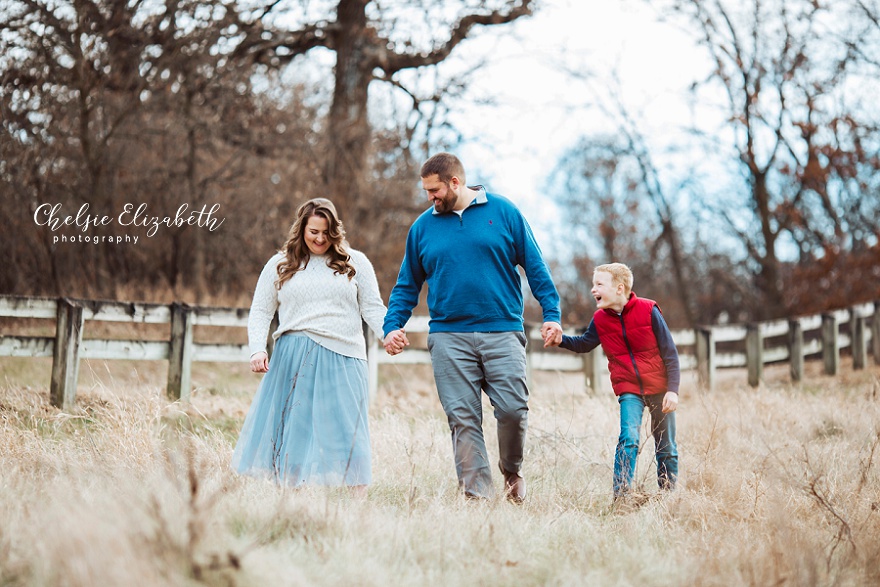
{"x": 447, "y": 204}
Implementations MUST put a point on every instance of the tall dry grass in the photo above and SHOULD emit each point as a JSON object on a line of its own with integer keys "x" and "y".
{"x": 780, "y": 486}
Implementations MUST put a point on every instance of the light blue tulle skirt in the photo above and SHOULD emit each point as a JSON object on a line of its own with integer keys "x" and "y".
{"x": 308, "y": 421}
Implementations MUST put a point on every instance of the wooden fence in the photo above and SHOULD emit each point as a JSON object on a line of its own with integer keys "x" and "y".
{"x": 706, "y": 348}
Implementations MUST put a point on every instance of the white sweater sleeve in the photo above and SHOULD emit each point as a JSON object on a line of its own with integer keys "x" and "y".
{"x": 263, "y": 306}
{"x": 370, "y": 301}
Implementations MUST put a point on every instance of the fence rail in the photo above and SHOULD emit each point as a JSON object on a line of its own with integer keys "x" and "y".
{"x": 705, "y": 348}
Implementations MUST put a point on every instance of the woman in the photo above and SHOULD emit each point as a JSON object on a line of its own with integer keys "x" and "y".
{"x": 308, "y": 422}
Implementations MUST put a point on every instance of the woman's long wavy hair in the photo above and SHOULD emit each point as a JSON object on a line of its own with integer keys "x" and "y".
{"x": 298, "y": 254}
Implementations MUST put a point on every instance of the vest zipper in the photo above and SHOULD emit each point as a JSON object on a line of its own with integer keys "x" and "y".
{"x": 632, "y": 356}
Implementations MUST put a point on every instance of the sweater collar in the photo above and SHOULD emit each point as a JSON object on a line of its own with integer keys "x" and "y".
{"x": 480, "y": 198}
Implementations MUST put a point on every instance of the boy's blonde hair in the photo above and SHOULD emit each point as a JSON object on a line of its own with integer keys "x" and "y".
{"x": 620, "y": 273}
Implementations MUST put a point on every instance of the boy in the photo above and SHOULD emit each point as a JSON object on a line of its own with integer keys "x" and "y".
{"x": 644, "y": 369}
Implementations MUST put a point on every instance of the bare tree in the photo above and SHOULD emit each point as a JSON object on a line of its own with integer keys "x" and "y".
{"x": 615, "y": 210}
{"x": 366, "y": 38}
{"x": 628, "y": 176}
{"x": 636, "y": 147}
{"x": 178, "y": 101}
{"x": 794, "y": 82}
{"x": 798, "y": 131}
{"x": 865, "y": 41}
{"x": 107, "y": 103}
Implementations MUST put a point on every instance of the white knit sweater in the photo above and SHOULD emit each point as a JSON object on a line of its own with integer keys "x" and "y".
{"x": 325, "y": 306}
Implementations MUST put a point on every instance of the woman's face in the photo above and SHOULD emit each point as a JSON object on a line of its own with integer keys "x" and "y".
{"x": 316, "y": 235}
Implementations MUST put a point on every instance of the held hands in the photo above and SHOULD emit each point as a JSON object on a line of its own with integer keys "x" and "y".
{"x": 670, "y": 402}
{"x": 551, "y": 332}
{"x": 260, "y": 362}
{"x": 395, "y": 342}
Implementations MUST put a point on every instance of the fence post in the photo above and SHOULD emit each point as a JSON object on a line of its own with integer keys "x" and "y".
{"x": 857, "y": 336}
{"x": 830, "y": 352}
{"x": 705, "y": 349}
{"x": 754, "y": 353}
{"x": 875, "y": 332}
{"x": 589, "y": 371}
{"x": 592, "y": 362}
{"x": 372, "y": 362}
{"x": 65, "y": 362}
{"x": 180, "y": 353}
{"x": 796, "y": 349}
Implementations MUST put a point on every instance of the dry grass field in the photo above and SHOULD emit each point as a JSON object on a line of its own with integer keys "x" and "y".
{"x": 780, "y": 486}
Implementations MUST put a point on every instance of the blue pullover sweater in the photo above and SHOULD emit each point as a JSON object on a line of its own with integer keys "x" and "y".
{"x": 470, "y": 266}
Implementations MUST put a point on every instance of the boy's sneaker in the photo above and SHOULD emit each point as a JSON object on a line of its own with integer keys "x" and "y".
{"x": 629, "y": 502}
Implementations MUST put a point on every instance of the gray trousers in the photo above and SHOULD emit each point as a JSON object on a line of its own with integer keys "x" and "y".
{"x": 466, "y": 363}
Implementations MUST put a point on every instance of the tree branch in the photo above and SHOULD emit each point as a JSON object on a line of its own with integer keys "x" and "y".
{"x": 261, "y": 45}
{"x": 875, "y": 18}
{"x": 391, "y": 62}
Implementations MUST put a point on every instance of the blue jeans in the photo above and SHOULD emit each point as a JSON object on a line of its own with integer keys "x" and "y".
{"x": 663, "y": 430}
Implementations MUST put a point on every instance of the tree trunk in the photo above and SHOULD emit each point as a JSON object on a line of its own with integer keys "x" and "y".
{"x": 768, "y": 277}
{"x": 197, "y": 279}
{"x": 678, "y": 269}
{"x": 348, "y": 140}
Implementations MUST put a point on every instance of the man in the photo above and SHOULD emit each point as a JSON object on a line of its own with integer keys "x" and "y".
{"x": 467, "y": 249}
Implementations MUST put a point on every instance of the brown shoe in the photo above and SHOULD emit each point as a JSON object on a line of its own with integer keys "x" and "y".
{"x": 514, "y": 486}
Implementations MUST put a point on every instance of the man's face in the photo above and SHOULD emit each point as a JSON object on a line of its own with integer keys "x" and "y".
{"x": 441, "y": 194}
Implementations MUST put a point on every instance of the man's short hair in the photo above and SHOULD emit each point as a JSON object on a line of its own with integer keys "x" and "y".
{"x": 445, "y": 166}
{"x": 620, "y": 273}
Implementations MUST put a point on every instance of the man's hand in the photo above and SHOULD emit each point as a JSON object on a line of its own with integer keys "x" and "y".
{"x": 551, "y": 332}
{"x": 260, "y": 362}
{"x": 670, "y": 402}
{"x": 395, "y": 342}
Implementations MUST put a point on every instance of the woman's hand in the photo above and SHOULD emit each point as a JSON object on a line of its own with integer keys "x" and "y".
{"x": 260, "y": 362}
{"x": 395, "y": 342}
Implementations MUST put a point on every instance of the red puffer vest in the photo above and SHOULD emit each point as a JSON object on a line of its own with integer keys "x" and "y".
{"x": 631, "y": 347}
